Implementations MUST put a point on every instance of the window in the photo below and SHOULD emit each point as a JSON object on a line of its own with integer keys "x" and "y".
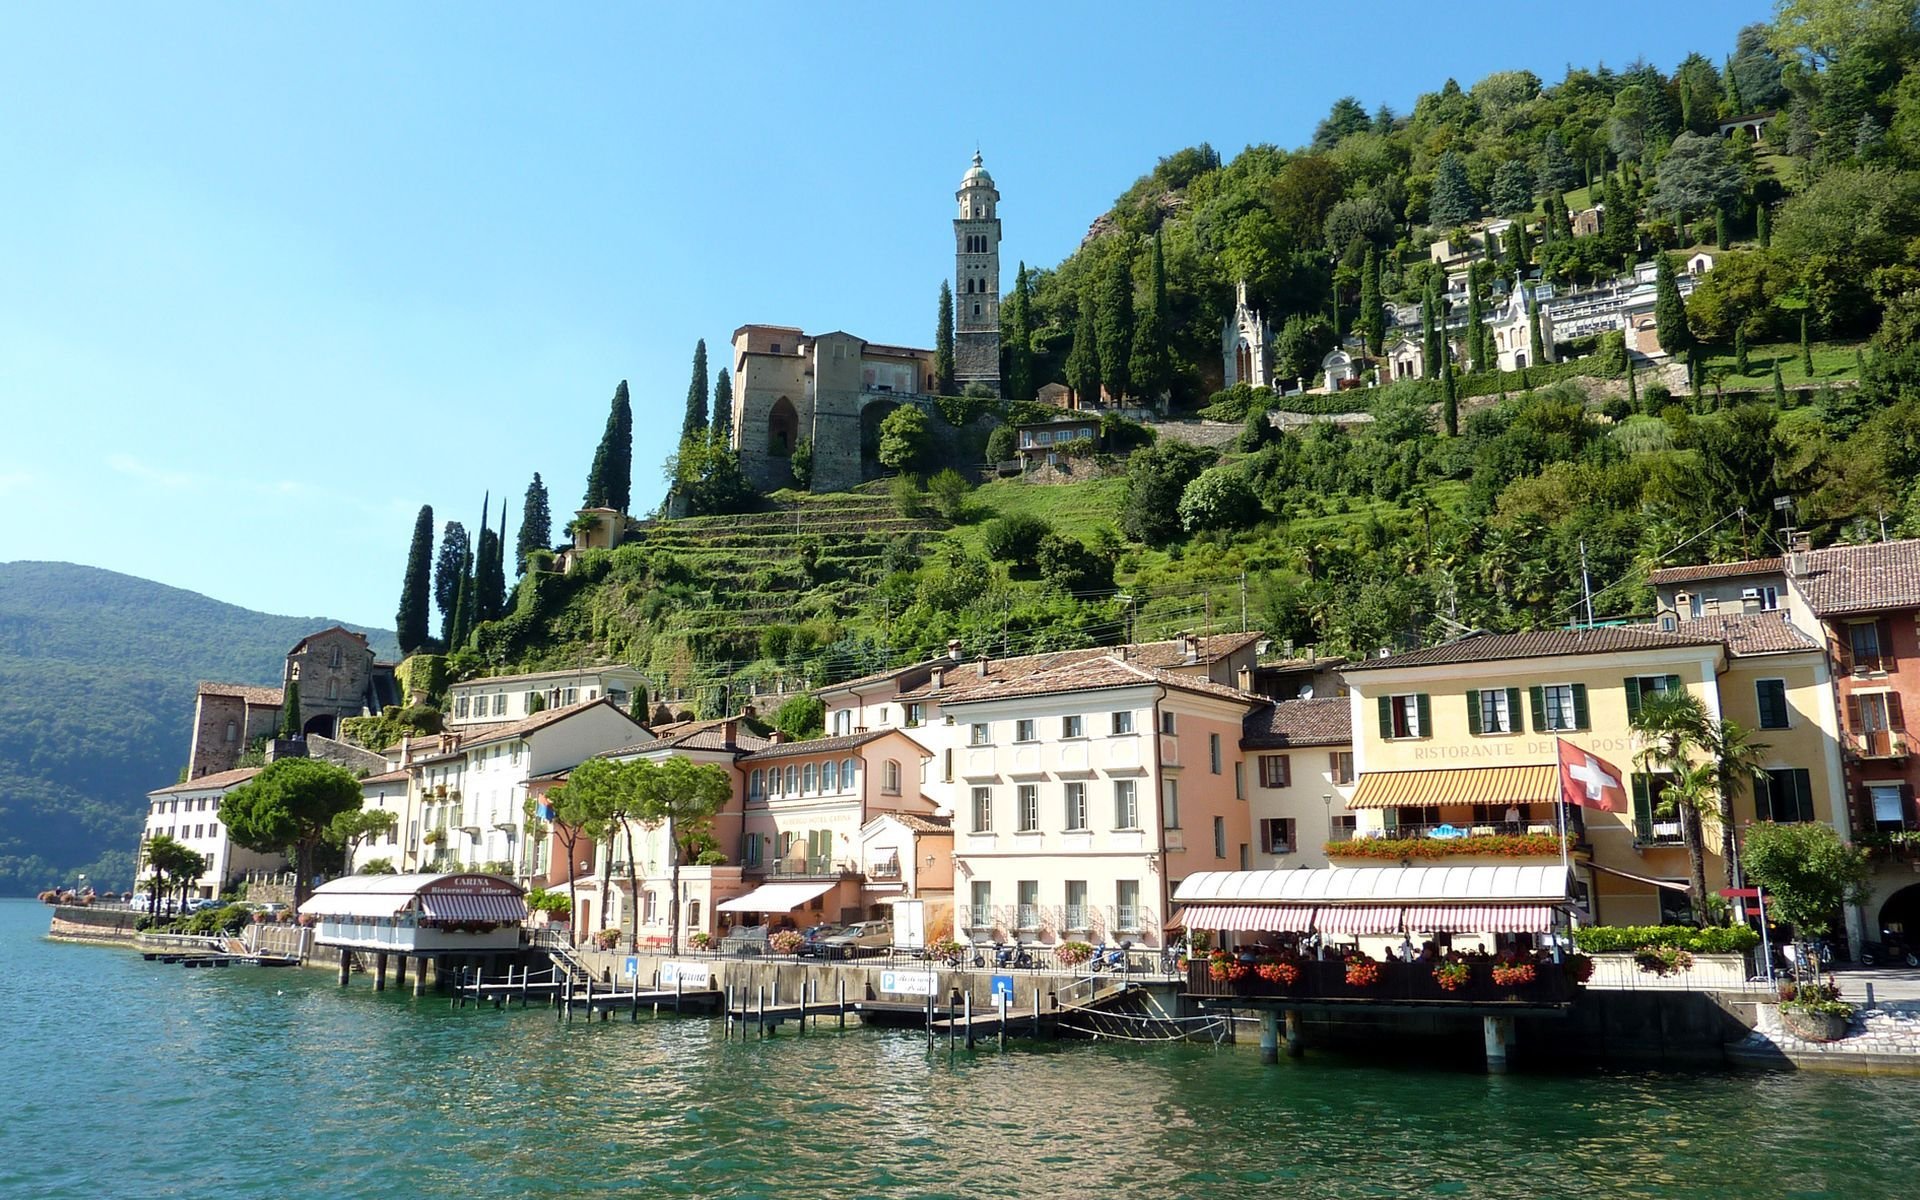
{"x": 1405, "y": 716}
{"x": 1122, "y": 723}
{"x": 1239, "y": 781}
{"x": 977, "y": 736}
{"x": 499, "y": 704}
{"x": 1027, "y": 896}
{"x": 1771, "y": 695}
{"x": 569, "y": 696}
{"x": 1276, "y": 835}
{"x": 1028, "y": 796}
{"x": 1170, "y": 795}
{"x": 793, "y": 781}
{"x": 1126, "y": 905}
{"x": 1219, "y": 837}
{"x": 1493, "y": 710}
{"x": 1340, "y": 766}
{"x": 890, "y": 777}
{"x": 980, "y": 910}
{"x": 806, "y": 778}
{"x": 1787, "y": 795}
{"x": 1167, "y": 724}
{"x": 233, "y": 732}
{"x": 1213, "y": 751}
{"x": 982, "y": 809}
{"x": 848, "y": 780}
{"x": 1889, "y": 806}
{"x": 459, "y": 706}
{"x": 1072, "y": 727}
{"x": 1641, "y": 686}
{"x": 1276, "y": 770}
{"x": 1769, "y": 598}
{"x": 1868, "y": 641}
{"x": 753, "y": 850}
{"x": 1076, "y": 815}
{"x": 1076, "y": 914}
{"x": 842, "y": 722}
{"x": 916, "y": 713}
{"x": 1126, "y": 805}
{"x": 1649, "y": 823}
{"x": 829, "y": 776}
{"x": 1023, "y": 731}
{"x": 1560, "y": 706}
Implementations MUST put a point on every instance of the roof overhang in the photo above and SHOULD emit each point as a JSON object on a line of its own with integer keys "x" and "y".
{"x": 775, "y": 897}
{"x": 1458, "y": 785}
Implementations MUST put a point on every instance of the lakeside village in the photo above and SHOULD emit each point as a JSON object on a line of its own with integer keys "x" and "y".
{"x": 1564, "y": 839}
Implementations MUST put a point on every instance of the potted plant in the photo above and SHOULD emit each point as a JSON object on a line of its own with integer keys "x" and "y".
{"x": 1278, "y": 971}
{"x": 1663, "y": 960}
{"x": 1452, "y": 975}
{"x": 1815, "y": 1012}
{"x": 607, "y": 939}
{"x": 1579, "y": 967}
{"x": 1513, "y": 973}
{"x": 1072, "y": 954}
{"x": 787, "y": 941}
{"x": 700, "y": 941}
{"x": 1362, "y": 971}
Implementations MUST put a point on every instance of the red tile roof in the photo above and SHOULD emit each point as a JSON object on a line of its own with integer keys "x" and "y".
{"x": 1873, "y": 577}
{"x": 1326, "y": 721}
{"x": 1732, "y": 570}
{"x": 540, "y": 720}
{"x": 1542, "y": 643}
{"x": 1755, "y": 633}
{"x": 258, "y": 697}
{"x": 916, "y": 679}
{"x": 221, "y": 780}
{"x": 1095, "y": 674}
{"x": 918, "y": 823}
{"x": 388, "y": 777}
{"x": 696, "y": 735}
{"x": 825, "y": 745}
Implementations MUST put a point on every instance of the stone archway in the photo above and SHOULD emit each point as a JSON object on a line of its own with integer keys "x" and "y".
{"x": 1899, "y": 912}
{"x": 318, "y": 725}
{"x": 783, "y": 428}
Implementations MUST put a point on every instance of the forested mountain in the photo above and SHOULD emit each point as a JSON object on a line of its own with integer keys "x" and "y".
{"x": 97, "y": 675}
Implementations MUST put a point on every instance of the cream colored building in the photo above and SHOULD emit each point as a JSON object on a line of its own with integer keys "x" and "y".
{"x": 1296, "y": 776}
{"x": 190, "y": 814}
{"x": 499, "y": 699}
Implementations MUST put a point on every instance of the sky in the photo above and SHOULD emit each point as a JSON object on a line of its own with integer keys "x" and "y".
{"x": 274, "y": 276}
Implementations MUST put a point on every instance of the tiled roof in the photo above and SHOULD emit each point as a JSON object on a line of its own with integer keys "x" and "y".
{"x": 695, "y": 735}
{"x": 207, "y": 783}
{"x": 1872, "y": 577}
{"x": 826, "y": 745}
{"x": 1088, "y": 675}
{"x": 920, "y": 824}
{"x": 260, "y": 697}
{"x": 388, "y": 777}
{"x": 539, "y": 721}
{"x": 358, "y": 637}
{"x": 915, "y": 680}
{"x": 1732, "y": 570}
{"x": 533, "y": 675}
{"x": 1542, "y": 643}
{"x": 1755, "y": 633}
{"x": 1327, "y": 721}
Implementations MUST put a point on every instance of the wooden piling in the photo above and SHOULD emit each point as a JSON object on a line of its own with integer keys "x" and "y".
{"x": 842, "y": 981}
{"x": 760, "y": 997}
{"x": 380, "y": 972}
{"x": 346, "y": 961}
{"x": 419, "y": 979}
{"x": 400, "y": 972}
{"x": 1001, "y": 997}
{"x": 966, "y": 1001}
{"x": 676, "y": 993}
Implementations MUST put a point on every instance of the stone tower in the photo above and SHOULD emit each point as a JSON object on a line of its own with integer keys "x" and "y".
{"x": 976, "y": 280}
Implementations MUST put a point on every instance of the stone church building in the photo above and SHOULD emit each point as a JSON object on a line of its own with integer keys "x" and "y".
{"x": 339, "y": 677}
{"x": 834, "y": 389}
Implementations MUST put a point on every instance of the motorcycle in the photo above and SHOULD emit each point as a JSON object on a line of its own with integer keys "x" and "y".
{"x": 1892, "y": 950}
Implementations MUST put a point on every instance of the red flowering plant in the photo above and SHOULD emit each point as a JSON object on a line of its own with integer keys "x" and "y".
{"x": 1362, "y": 971}
{"x": 1451, "y": 975}
{"x": 1224, "y": 967}
{"x": 1579, "y": 967}
{"x": 1511, "y": 972}
{"x": 1282, "y": 971}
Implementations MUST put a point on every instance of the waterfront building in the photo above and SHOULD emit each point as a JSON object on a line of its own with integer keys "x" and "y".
{"x": 1456, "y": 746}
{"x": 1296, "y": 776}
{"x": 389, "y": 791}
{"x": 498, "y": 699}
{"x": 190, "y": 814}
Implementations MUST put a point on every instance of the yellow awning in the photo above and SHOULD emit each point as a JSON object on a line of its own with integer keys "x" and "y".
{"x": 1465, "y": 785}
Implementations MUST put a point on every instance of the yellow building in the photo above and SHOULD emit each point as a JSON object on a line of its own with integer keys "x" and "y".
{"x": 1456, "y": 749}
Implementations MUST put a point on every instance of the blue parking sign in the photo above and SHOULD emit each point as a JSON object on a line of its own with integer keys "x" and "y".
{"x": 632, "y": 968}
{"x": 1003, "y": 986}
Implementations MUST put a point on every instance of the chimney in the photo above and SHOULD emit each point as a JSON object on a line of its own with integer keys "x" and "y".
{"x": 749, "y": 712}
{"x": 1189, "y": 647}
{"x": 776, "y": 737}
{"x": 982, "y": 666}
{"x": 939, "y": 678}
{"x": 953, "y": 650}
{"x": 729, "y": 729}
{"x": 1796, "y": 564}
{"x": 1243, "y": 679}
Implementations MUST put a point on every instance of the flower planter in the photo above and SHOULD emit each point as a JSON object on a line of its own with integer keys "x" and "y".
{"x": 1814, "y": 1026}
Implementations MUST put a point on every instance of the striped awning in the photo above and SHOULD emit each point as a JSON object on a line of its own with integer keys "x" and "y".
{"x": 1358, "y": 919}
{"x": 1478, "y": 918}
{"x": 453, "y": 906}
{"x": 1463, "y": 785}
{"x": 1249, "y": 918}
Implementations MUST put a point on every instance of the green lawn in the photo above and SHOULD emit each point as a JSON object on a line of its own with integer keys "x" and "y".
{"x": 1831, "y": 361}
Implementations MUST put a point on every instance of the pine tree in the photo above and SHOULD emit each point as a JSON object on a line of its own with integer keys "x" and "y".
{"x": 610, "y": 480}
{"x": 1373, "y": 317}
{"x": 1083, "y": 360}
{"x": 410, "y": 622}
{"x": 1016, "y": 331}
{"x": 1113, "y": 325}
{"x": 1151, "y": 369}
{"x": 943, "y": 342}
{"x": 290, "y": 713}
{"x": 1806, "y": 349}
{"x": 447, "y": 567}
{"x": 1452, "y": 202}
{"x": 1669, "y": 310}
{"x": 536, "y": 525}
{"x": 1739, "y": 351}
{"x": 694, "y": 424}
{"x": 723, "y": 409}
{"x": 1449, "y": 401}
{"x": 1556, "y": 168}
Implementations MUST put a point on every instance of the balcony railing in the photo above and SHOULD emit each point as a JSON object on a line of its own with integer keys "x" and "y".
{"x": 979, "y": 916}
{"x": 807, "y": 868}
{"x": 1029, "y": 916}
{"x": 1074, "y": 916}
{"x": 1126, "y": 919}
{"x": 887, "y": 871}
{"x": 1657, "y": 833}
{"x": 1879, "y": 743}
{"x": 1398, "y": 983}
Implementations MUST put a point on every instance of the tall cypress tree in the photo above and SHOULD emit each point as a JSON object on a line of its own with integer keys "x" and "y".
{"x": 1083, "y": 359}
{"x": 447, "y": 569}
{"x": 1739, "y": 351}
{"x": 1449, "y": 401}
{"x": 610, "y": 480}
{"x": 1779, "y": 386}
{"x": 1476, "y": 325}
{"x": 1373, "y": 317}
{"x": 943, "y": 342}
{"x": 1113, "y": 324}
{"x": 410, "y": 622}
{"x": 536, "y": 525}
{"x": 289, "y": 712}
{"x": 1763, "y": 227}
{"x": 1538, "y": 355}
{"x": 1152, "y": 369}
{"x": 463, "y": 608}
{"x": 1517, "y": 246}
{"x": 486, "y": 602}
{"x": 694, "y": 424}
{"x": 1669, "y": 310}
{"x": 1429, "y": 335}
{"x": 1806, "y": 349}
{"x": 723, "y": 409}
{"x": 1016, "y": 337}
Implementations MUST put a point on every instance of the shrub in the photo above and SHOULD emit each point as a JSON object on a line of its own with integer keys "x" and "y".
{"x": 800, "y": 462}
{"x": 1616, "y": 939}
{"x": 1663, "y": 960}
{"x": 1219, "y": 498}
{"x": 1157, "y": 479}
{"x": 700, "y": 941}
{"x": 787, "y": 941}
{"x": 711, "y": 858}
{"x": 908, "y": 500}
{"x": 376, "y": 866}
{"x": 948, "y": 489}
{"x": 1000, "y": 444}
{"x": 1067, "y": 564}
{"x": 801, "y": 717}
{"x": 607, "y": 939}
{"x": 1120, "y": 435}
{"x": 1015, "y": 538}
{"x": 905, "y": 439}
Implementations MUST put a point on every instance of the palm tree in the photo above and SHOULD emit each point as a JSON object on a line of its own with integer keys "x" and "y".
{"x": 1674, "y": 725}
{"x": 1690, "y": 794}
{"x": 1737, "y": 760}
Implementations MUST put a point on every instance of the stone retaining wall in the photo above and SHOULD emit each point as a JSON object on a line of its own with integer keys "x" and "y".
{"x": 76, "y": 923}
{"x": 1885, "y": 1037}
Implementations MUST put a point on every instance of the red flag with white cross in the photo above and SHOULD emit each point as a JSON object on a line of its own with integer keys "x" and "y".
{"x": 1590, "y": 781}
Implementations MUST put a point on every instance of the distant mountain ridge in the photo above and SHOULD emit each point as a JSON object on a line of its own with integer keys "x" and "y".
{"x": 97, "y": 675}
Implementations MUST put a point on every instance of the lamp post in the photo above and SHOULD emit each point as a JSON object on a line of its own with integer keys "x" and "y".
{"x": 1326, "y": 798}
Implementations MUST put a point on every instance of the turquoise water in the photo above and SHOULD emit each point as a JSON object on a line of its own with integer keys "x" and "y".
{"x": 130, "y": 1078}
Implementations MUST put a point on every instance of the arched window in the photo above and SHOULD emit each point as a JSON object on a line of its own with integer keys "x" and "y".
{"x": 806, "y": 778}
{"x": 890, "y": 777}
{"x": 693, "y": 915}
{"x": 783, "y": 426}
{"x": 829, "y": 776}
{"x": 847, "y": 778}
{"x": 757, "y": 787}
{"x": 336, "y": 657}
{"x": 793, "y": 781}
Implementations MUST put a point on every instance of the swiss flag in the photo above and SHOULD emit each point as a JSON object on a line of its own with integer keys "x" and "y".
{"x": 1589, "y": 781}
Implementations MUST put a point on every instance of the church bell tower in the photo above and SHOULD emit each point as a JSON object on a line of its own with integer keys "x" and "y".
{"x": 976, "y": 280}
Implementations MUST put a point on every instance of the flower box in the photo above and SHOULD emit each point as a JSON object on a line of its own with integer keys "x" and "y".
{"x": 1815, "y": 1025}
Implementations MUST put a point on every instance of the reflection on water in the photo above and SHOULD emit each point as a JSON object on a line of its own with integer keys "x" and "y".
{"x": 131, "y": 1076}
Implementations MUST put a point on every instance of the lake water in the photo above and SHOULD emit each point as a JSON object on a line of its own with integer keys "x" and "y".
{"x": 130, "y": 1078}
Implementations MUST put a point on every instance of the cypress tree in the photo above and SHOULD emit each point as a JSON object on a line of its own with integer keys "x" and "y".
{"x": 410, "y": 622}
{"x": 1476, "y": 325}
{"x": 1083, "y": 360}
{"x": 1449, "y": 401}
{"x": 486, "y": 601}
{"x": 1779, "y": 386}
{"x": 1763, "y": 227}
{"x": 1539, "y": 354}
{"x": 1721, "y": 238}
{"x": 536, "y": 525}
{"x": 610, "y": 480}
{"x": 1429, "y": 353}
{"x": 943, "y": 342}
{"x": 1859, "y": 362}
{"x": 1017, "y": 337}
{"x": 1633, "y": 391}
{"x": 1113, "y": 325}
{"x": 1373, "y": 317}
{"x": 1150, "y": 368}
{"x": 1669, "y": 310}
{"x": 723, "y": 409}
{"x": 1517, "y": 246}
{"x": 447, "y": 567}
{"x": 463, "y": 608}
{"x": 1806, "y": 348}
{"x": 1739, "y": 351}
{"x": 694, "y": 424}
{"x": 496, "y": 583}
{"x": 289, "y": 712}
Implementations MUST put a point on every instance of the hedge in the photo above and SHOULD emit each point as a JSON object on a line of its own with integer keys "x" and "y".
{"x": 1619, "y": 939}
{"x": 1495, "y": 845}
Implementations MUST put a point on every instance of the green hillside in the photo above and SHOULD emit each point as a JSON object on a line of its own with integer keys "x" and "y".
{"x": 97, "y": 675}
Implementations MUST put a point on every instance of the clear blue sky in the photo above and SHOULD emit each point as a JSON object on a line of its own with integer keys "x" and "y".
{"x": 273, "y": 276}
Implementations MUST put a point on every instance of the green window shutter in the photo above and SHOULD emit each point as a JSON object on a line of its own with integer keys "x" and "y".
{"x": 1386, "y": 716}
{"x": 1514, "y": 723}
{"x": 1642, "y": 808}
{"x": 1580, "y": 715}
{"x": 1633, "y": 696}
{"x": 1537, "y": 700}
{"x": 1473, "y": 712}
{"x": 1673, "y": 683}
{"x": 1425, "y": 708}
{"x": 1803, "y": 793}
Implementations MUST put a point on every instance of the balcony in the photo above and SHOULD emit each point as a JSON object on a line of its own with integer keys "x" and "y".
{"x": 886, "y": 871}
{"x": 1878, "y": 744}
{"x": 979, "y": 916}
{"x": 1399, "y": 983}
{"x": 1029, "y": 916}
{"x": 1656, "y": 833}
{"x": 806, "y": 868}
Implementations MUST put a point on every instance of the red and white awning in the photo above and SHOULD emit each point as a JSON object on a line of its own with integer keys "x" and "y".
{"x": 1358, "y": 919}
{"x": 1483, "y": 918}
{"x": 1249, "y": 918}
{"x": 455, "y": 906}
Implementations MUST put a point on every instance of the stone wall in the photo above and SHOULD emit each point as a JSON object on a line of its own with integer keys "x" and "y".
{"x": 213, "y": 751}
{"x": 1884, "y": 1037}
{"x": 76, "y": 923}
{"x": 335, "y": 670}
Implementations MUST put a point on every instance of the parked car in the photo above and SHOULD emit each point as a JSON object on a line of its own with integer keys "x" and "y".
{"x": 861, "y": 938}
{"x": 813, "y": 935}
{"x": 199, "y": 902}
{"x": 272, "y": 908}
